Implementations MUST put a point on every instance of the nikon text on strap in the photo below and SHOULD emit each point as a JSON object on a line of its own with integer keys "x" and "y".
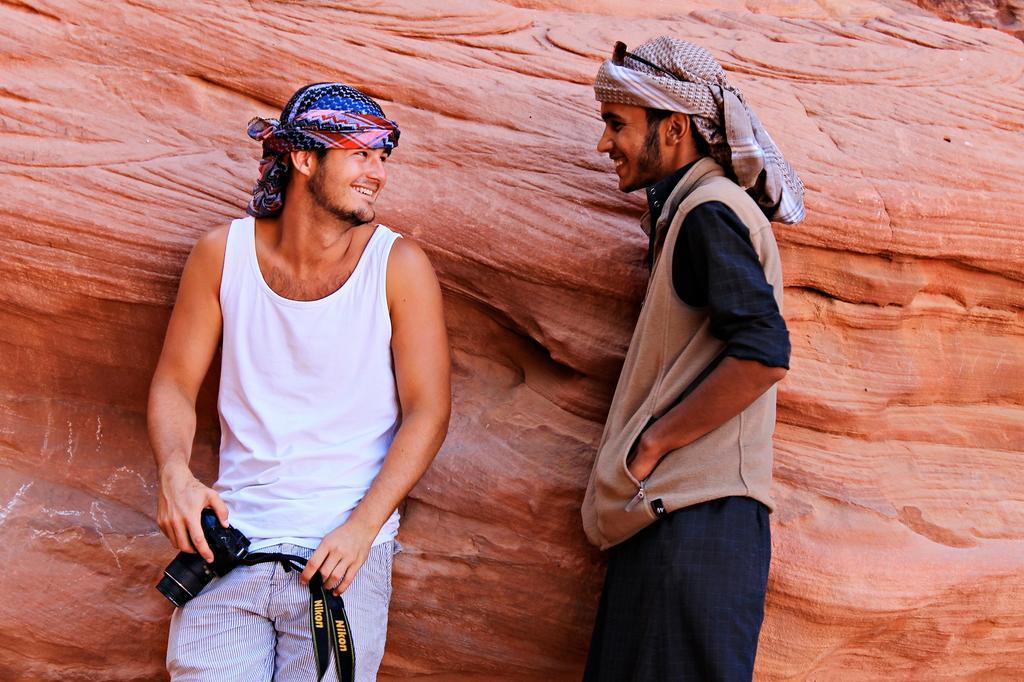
{"x": 327, "y": 618}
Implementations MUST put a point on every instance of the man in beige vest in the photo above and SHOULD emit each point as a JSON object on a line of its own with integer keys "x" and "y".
{"x": 680, "y": 491}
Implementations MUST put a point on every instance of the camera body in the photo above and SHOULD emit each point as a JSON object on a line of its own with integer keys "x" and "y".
{"x": 189, "y": 573}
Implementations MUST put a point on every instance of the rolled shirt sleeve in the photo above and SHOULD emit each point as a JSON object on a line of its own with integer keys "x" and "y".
{"x": 714, "y": 265}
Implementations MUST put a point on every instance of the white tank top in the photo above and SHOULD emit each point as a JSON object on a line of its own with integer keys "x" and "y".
{"x": 308, "y": 403}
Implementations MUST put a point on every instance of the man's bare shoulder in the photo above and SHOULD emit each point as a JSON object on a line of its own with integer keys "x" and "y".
{"x": 408, "y": 269}
{"x": 409, "y": 258}
{"x": 211, "y": 246}
{"x": 205, "y": 264}
{"x": 406, "y": 254}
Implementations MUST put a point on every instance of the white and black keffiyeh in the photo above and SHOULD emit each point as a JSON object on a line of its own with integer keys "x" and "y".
{"x": 689, "y": 80}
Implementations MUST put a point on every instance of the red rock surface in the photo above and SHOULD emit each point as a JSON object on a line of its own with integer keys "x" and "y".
{"x": 1004, "y": 15}
{"x": 899, "y": 538}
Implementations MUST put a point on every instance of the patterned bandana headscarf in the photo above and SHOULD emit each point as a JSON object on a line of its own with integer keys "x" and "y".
{"x": 684, "y": 77}
{"x": 318, "y": 116}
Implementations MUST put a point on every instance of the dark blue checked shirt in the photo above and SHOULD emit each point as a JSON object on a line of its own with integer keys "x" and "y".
{"x": 715, "y": 266}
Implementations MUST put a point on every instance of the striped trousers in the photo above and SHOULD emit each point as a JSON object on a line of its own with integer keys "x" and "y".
{"x": 253, "y": 624}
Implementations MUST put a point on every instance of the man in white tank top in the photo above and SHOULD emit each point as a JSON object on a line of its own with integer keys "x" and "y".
{"x": 334, "y": 395}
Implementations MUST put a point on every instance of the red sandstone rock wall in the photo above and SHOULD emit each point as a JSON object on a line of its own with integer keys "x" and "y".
{"x": 1005, "y": 15}
{"x": 899, "y": 540}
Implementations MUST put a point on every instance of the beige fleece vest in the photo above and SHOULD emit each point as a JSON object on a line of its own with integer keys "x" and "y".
{"x": 671, "y": 347}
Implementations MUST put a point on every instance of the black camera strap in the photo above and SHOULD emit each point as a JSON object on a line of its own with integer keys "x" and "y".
{"x": 327, "y": 618}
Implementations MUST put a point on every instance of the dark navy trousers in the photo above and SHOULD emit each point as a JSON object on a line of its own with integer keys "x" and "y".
{"x": 684, "y": 598}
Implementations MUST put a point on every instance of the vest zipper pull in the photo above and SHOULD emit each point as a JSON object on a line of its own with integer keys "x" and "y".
{"x": 637, "y": 499}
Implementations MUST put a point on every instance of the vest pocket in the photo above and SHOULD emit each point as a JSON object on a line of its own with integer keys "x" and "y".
{"x": 622, "y": 501}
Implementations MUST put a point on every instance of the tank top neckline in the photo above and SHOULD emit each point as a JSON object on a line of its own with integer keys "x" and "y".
{"x": 255, "y": 262}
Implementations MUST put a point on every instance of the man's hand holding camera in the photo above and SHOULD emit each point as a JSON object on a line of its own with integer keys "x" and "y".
{"x": 182, "y": 499}
{"x": 340, "y": 555}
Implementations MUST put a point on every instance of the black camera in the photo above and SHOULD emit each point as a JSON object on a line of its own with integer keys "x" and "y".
{"x": 189, "y": 573}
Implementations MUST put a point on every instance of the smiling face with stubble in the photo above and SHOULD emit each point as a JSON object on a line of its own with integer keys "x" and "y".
{"x": 632, "y": 144}
{"x": 347, "y": 182}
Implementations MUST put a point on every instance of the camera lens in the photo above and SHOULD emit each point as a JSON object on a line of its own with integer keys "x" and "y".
{"x": 184, "y": 578}
{"x": 188, "y": 574}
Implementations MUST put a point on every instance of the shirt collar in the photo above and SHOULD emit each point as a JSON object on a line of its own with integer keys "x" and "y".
{"x": 659, "y": 191}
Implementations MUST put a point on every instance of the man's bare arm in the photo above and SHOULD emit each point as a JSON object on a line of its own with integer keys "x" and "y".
{"x": 192, "y": 338}
{"x": 728, "y": 390}
{"x": 419, "y": 344}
